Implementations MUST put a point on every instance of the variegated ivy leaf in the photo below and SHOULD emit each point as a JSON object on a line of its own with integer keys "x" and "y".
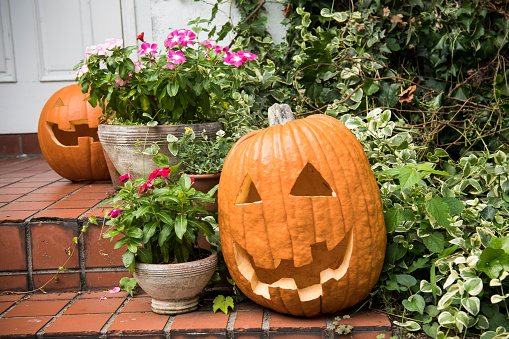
{"x": 451, "y": 279}
{"x": 468, "y": 272}
{"x": 409, "y": 325}
{"x": 473, "y": 286}
{"x": 482, "y": 323}
{"x": 446, "y": 300}
{"x": 495, "y": 282}
{"x": 446, "y": 318}
{"x": 472, "y": 261}
{"x": 462, "y": 320}
{"x": 472, "y": 305}
{"x": 496, "y": 298}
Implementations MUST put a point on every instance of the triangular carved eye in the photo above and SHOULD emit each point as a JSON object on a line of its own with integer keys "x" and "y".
{"x": 311, "y": 183}
{"x": 248, "y": 193}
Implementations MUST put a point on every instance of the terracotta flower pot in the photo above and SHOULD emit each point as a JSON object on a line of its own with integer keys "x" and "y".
{"x": 174, "y": 288}
{"x": 204, "y": 183}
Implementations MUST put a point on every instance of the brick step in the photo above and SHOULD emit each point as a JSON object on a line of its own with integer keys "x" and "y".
{"x": 79, "y": 314}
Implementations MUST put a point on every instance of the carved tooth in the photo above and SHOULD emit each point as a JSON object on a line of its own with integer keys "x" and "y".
{"x": 287, "y": 283}
{"x": 310, "y": 293}
{"x": 277, "y": 262}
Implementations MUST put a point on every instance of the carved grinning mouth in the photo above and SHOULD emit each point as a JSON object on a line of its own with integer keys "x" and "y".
{"x": 70, "y": 138}
{"x": 308, "y": 279}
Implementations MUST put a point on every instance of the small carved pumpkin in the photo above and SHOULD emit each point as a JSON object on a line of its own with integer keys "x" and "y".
{"x": 68, "y": 138}
{"x": 300, "y": 217}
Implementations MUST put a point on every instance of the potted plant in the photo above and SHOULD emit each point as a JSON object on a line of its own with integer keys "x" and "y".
{"x": 182, "y": 82}
{"x": 159, "y": 221}
{"x": 202, "y": 158}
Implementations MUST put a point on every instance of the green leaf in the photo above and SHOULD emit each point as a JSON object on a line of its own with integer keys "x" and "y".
{"x": 408, "y": 177}
{"x": 161, "y": 160}
{"x": 472, "y": 305}
{"x": 434, "y": 242}
{"x": 456, "y": 206}
{"x": 148, "y": 231}
{"x": 394, "y": 216}
{"x": 500, "y": 243}
{"x": 127, "y": 284}
{"x": 415, "y": 303}
{"x": 493, "y": 262}
{"x": 393, "y": 44}
{"x": 172, "y": 88}
{"x": 145, "y": 255}
{"x": 180, "y": 225}
{"x": 439, "y": 210}
{"x": 135, "y": 233}
{"x": 164, "y": 234}
{"x": 409, "y": 325}
{"x": 128, "y": 258}
{"x": 370, "y": 87}
{"x": 406, "y": 280}
{"x": 202, "y": 225}
{"x": 222, "y": 303}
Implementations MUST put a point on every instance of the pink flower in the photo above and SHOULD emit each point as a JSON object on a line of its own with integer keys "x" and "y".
{"x": 115, "y": 290}
{"x": 173, "y": 39}
{"x": 144, "y": 187}
{"x": 208, "y": 43}
{"x": 120, "y": 83}
{"x": 233, "y": 59}
{"x": 176, "y": 57}
{"x": 247, "y": 55}
{"x": 114, "y": 213}
{"x": 192, "y": 179}
{"x": 125, "y": 177}
{"x": 170, "y": 66}
{"x": 147, "y": 48}
{"x": 187, "y": 37}
{"x": 160, "y": 172}
{"x": 83, "y": 69}
{"x": 112, "y": 43}
{"x": 138, "y": 66}
{"x": 103, "y": 298}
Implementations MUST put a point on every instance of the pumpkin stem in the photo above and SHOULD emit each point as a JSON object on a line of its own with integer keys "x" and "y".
{"x": 280, "y": 114}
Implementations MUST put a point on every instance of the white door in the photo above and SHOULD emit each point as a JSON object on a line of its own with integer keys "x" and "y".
{"x": 40, "y": 43}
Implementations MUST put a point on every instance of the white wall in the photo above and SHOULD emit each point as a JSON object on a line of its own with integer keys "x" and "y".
{"x": 41, "y": 40}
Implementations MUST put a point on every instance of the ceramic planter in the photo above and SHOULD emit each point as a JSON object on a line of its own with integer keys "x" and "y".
{"x": 174, "y": 288}
{"x": 119, "y": 144}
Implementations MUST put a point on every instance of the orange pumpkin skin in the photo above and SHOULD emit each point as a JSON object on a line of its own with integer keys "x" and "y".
{"x": 300, "y": 217}
{"x": 67, "y": 133}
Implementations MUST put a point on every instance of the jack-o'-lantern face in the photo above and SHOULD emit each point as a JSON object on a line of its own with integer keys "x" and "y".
{"x": 302, "y": 228}
{"x": 68, "y": 136}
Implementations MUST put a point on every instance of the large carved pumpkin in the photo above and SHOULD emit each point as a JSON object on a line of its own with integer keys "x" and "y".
{"x": 67, "y": 134}
{"x": 300, "y": 216}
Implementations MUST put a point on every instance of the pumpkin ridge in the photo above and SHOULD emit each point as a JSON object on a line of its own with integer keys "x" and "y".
{"x": 298, "y": 236}
{"x": 356, "y": 158}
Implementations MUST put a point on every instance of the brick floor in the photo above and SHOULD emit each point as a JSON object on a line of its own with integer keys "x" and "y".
{"x": 41, "y": 213}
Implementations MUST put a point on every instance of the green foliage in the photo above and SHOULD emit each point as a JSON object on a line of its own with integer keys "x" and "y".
{"x": 447, "y": 258}
{"x": 201, "y": 156}
{"x": 222, "y": 303}
{"x": 128, "y": 284}
{"x": 158, "y": 220}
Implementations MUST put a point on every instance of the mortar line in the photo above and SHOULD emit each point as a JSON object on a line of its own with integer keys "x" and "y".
{"x": 329, "y": 330}
{"x": 167, "y": 327}
{"x": 29, "y": 254}
{"x": 265, "y": 324}
{"x": 103, "y": 333}
{"x": 81, "y": 255}
{"x": 230, "y": 325}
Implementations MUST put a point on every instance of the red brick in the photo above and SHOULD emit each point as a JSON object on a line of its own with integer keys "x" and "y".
{"x": 77, "y": 324}
{"x": 5, "y": 305}
{"x": 97, "y": 295}
{"x": 249, "y": 306}
{"x": 98, "y": 212}
{"x": 51, "y": 296}
{"x": 286, "y": 322}
{"x": 57, "y": 189}
{"x": 366, "y": 321}
{"x": 88, "y": 196}
{"x": 127, "y": 323}
{"x": 9, "y": 197}
{"x": 368, "y": 335}
{"x": 34, "y": 206}
{"x": 92, "y": 306}
{"x": 21, "y": 327}
{"x": 11, "y": 297}
{"x": 248, "y": 321}
{"x": 12, "y": 248}
{"x": 94, "y": 188}
{"x": 50, "y": 242}
{"x": 61, "y": 213}
{"x": 50, "y": 197}
{"x": 99, "y": 251}
{"x": 15, "y": 216}
{"x": 296, "y": 335}
{"x": 36, "y": 308}
{"x": 75, "y": 204}
{"x": 9, "y": 144}
{"x": 105, "y": 279}
{"x": 25, "y": 184}
{"x": 15, "y": 283}
{"x": 66, "y": 282}
{"x": 138, "y": 304}
{"x": 15, "y": 190}
{"x": 201, "y": 322}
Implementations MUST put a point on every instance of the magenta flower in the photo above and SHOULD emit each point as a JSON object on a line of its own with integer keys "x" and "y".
{"x": 170, "y": 66}
{"x": 187, "y": 37}
{"x": 147, "y": 49}
{"x": 247, "y": 55}
{"x": 125, "y": 177}
{"x": 176, "y": 57}
{"x": 173, "y": 39}
{"x": 192, "y": 179}
{"x": 119, "y": 82}
{"x": 233, "y": 59}
{"x": 144, "y": 187}
{"x": 138, "y": 66}
{"x": 115, "y": 290}
{"x": 114, "y": 213}
{"x": 208, "y": 43}
{"x": 103, "y": 298}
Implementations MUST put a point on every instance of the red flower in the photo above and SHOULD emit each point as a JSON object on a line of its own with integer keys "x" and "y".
{"x": 161, "y": 172}
{"x": 125, "y": 177}
{"x": 144, "y": 187}
{"x": 141, "y": 37}
{"x": 114, "y": 213}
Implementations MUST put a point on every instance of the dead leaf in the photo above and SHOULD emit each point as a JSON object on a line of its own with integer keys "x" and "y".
{"x": 287, "y": 10}
{"x": 407, "y": 95}
{"x": 359, "y": 27}
{"x": 387, "y": 11}
{"x": 397, "y": 18}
